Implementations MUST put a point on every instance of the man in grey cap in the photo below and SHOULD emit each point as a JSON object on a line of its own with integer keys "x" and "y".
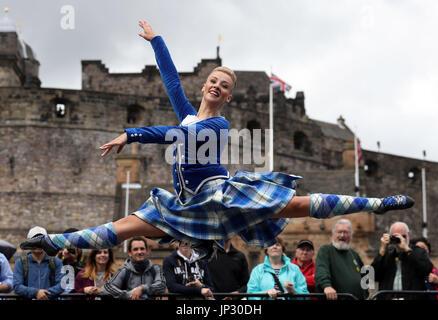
{"x": 36, "y": 275}
{"x": 304, "y": 260}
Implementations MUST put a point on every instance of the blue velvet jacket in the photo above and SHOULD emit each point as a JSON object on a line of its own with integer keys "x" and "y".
{"x": 198, "y": 144}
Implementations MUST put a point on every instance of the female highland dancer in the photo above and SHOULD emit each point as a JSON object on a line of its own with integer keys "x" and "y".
{"x": 209, "y": 204}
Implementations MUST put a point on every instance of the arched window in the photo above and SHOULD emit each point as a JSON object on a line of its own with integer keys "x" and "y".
{"x": 60, "y": 107}
{"x": 60, "y": 110}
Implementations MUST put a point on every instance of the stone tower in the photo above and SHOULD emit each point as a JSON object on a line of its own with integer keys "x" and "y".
{"x": 18, "y": 65}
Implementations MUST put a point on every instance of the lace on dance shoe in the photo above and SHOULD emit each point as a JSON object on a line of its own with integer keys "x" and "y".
{"x": 40, "y": 242}
{"x": 397, "y": 202}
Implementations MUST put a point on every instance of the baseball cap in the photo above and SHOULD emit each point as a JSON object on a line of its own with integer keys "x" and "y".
{"x": 303, "y": 243}
{"x": 36, "y": 231}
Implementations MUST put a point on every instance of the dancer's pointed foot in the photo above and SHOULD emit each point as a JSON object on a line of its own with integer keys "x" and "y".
{"x": 39, "y": 242}
{"x": 398, "y": 202}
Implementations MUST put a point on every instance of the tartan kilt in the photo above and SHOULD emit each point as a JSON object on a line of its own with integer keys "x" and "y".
{"x": 242, "y": 205}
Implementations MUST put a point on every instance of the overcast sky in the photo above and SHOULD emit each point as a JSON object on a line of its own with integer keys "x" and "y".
{"x": 373, "y": 62}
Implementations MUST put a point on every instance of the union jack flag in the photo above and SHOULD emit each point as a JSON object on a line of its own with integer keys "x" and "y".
{"x": 277, "y": 83}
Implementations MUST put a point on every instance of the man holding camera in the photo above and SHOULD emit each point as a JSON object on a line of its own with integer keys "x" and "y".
{"x": 73, "y": 261}
{"x": 75, "y": 258}
{"x": 398, "y": 266}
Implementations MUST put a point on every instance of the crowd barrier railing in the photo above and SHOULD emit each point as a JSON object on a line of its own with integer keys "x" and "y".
{"x": 176, "y": 296}
{"x": 403, "y": 294}
{"x": 238, "y": 296}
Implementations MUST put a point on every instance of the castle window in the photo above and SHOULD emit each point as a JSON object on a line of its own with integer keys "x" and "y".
{"x": 370, "y": 167}
{"x": 301, "y": 142}
{"x": 414, "y": 174}
{"x": 253, "y": 124}
{"x": 134, "y": 114}
{"x": 60, "y": 110}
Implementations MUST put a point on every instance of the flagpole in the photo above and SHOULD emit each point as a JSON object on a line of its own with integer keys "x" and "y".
{"x": 423, "y": 183}
{"x": 356, "y": 168}
{"x": 125, "y": 244}
{"x": 271, "y": 127}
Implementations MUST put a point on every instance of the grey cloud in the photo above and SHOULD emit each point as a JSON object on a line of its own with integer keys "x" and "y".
{"x": 371, "y": 61}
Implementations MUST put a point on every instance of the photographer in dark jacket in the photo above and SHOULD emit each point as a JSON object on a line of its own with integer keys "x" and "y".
{"x": 399, "y": 267}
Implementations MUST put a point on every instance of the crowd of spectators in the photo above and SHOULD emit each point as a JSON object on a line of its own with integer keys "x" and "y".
{"x": 401, "y": 264}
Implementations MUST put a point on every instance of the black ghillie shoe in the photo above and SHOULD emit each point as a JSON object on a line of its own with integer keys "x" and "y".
{"x": 398, "y": 202}
{"x": 207, "y": 250}
{"x": 39, "y": 242}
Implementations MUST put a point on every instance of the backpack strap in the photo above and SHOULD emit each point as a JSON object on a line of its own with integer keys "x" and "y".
{"x": 25, "y": 264}
{"x": 52, "y": 267}
{"x": 126, "y": 279}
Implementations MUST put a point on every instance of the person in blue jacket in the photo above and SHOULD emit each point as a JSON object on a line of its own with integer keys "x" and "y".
{"x": 276, "y": 274}
{"x": 5, "y": 275}
{"x": 209, "y": 204}
{"x": 39, "y": 277}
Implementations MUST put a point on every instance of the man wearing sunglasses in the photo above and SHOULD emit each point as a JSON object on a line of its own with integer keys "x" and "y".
{"x": 398, "y": 266}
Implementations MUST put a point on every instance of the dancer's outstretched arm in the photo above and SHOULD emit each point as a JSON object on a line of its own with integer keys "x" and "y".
{"x": 119, "y": 142}
{"x": 168, "y": 72}
{"x": 144, "y": 135}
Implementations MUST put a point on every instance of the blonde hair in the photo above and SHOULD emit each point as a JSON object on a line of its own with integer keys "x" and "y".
{"x": 227, "y": 71}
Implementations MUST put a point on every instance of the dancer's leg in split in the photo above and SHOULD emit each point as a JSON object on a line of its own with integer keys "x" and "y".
{"x": 319, "y": 206}
{"x": 101, "y": 237}
{"x": 133, "y": 226}
{"x": 298, "y": 207}
{"x": 322, "y": 206}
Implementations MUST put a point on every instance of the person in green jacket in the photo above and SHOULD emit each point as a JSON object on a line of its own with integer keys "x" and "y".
{"x": 338, "y": 267}
{"x": 276, "y": 274}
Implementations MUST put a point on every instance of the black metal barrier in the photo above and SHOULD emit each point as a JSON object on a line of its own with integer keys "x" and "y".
{"x": 238, "y": 296}
{"x": 403, "y": 294}
{"x": 177, "y": 296}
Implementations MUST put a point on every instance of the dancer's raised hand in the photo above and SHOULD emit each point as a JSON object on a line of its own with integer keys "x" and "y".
{"x": 120, "y": 141}
{"x": 148, "y": 33}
